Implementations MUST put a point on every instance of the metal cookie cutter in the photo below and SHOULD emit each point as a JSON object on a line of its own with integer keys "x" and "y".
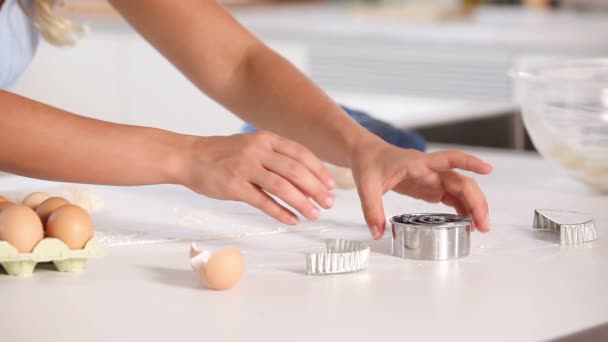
{"x": 573, "y": 227}
{"x": 342, "y": 256}
{"x": 431, "y": 236}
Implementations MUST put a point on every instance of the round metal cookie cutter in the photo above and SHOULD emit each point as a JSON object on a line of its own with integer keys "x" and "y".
{"x": 431, "y": 236}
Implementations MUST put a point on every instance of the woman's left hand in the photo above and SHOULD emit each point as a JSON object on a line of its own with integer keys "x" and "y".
{"x": 379, "y": 167}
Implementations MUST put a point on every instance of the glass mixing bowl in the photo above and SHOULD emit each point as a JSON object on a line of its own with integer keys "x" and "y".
{"x": 565, "y": 110}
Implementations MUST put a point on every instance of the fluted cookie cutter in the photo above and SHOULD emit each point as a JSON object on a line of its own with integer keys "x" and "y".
{"x": 431, "y": 236}
{"x": 573, "y": 227}
{"x": 341, "y": 256}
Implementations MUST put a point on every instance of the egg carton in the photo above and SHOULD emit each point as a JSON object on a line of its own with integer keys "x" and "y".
{"x": 48, "y": 250}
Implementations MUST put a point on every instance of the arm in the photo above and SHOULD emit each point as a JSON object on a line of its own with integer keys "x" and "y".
{"x": 236, "y": 69}
{"x": 40, "y": 141}
{"x": 45, "y": 142}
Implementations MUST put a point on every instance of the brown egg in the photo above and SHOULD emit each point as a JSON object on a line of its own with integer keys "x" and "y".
{"x": 21, "y": 227}
{"x": 45, "y": 208}
{"x": 221, "y": 270}
{"x": 6, "y": 204}
{"x": 70, "y": 224}
{"x": 3, "y": 199}
{"x": 34, "y": 199}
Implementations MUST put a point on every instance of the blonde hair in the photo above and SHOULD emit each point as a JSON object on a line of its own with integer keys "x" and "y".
{"x": 55, "y": 29}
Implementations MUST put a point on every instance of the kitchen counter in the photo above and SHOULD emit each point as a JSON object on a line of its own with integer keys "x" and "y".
{"x": 517, "y": 284}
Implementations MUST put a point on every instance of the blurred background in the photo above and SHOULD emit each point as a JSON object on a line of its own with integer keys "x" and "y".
{"x": 438, "y": 66}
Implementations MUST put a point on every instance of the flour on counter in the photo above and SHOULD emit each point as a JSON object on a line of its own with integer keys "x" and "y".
{"x": 126, "y": 238}
{"x": 76, "y": 194}
{"x": 134, "y": 237}
{"x": 81, "y": 197}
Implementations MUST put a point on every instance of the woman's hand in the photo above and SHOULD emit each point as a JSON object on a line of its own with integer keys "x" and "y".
{"x": 249, "y": 167}
{"x": 237, "y": 70}
{"x": 379, "y": 167}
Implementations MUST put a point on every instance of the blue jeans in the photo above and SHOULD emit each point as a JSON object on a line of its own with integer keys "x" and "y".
{"x": 399, "y": 137}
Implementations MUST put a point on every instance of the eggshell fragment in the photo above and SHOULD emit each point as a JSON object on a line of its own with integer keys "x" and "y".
{"x": 218, "y": 271}
{"x": 194, "y": 251}
{"x": 198, "y": 257}
{"x": 70, "y": 224}
{"x": 34, "y": 199}
{"x": 21, "y": 227}
{"x": 45, "y": 208}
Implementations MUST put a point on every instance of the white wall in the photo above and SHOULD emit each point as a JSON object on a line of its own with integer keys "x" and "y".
{"x": 113, "y": 74}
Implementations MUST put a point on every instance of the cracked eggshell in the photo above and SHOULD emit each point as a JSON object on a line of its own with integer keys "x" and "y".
{"x": 196, "y": 259}
{"x": 218, "y": 271}
{"x": 194, "y": 251}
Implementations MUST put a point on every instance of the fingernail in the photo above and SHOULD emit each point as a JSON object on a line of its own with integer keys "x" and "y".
{"x": 331, "y": 183}
{"x": 293, "y": 220}
{"x": 329, "y": 202}
{"x": 314, "y": 213}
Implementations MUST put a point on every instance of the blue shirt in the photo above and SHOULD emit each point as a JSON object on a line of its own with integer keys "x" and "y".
{"x": 18, "y": 42}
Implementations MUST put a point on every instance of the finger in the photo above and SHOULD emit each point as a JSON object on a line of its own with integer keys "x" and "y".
{"x": 445, "y": 161}
{"x": 485, "y": 222}
{"x": 370, "y": 193}
{"x": 306, "y": 158}
{"x": 257, "y": 198}
{"x": 471, "y": 197}
{"x": 300, "y": 176}
{"x": 287, "y": 192}
{"x": 454, "y": 202}
{"x": 449, "y": 200}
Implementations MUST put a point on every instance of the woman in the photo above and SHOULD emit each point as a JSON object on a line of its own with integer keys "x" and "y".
{"x": 233, "y": 67}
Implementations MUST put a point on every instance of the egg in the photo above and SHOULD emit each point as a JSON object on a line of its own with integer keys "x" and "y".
{"x": 45, "y": 208}
{"x": 34, "y": 199}
{"x": 5, "y": 204}
{"x": 3, "y": 199}
{"x": 70, "y": 224}
{"x": 21, "y": 227}
{"x": 218, "y": 271}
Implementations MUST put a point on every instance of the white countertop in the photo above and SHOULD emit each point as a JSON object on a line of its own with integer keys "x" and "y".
{"x": 517, "y": 284}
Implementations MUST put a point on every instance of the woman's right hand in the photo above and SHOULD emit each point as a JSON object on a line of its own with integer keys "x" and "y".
{"x": 251, "y": 167}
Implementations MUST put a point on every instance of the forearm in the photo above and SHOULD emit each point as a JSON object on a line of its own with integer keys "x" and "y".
{"x": 40, "y": 141}
{"x": 272, "y": 94}
{"x": 236, "y": 69}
